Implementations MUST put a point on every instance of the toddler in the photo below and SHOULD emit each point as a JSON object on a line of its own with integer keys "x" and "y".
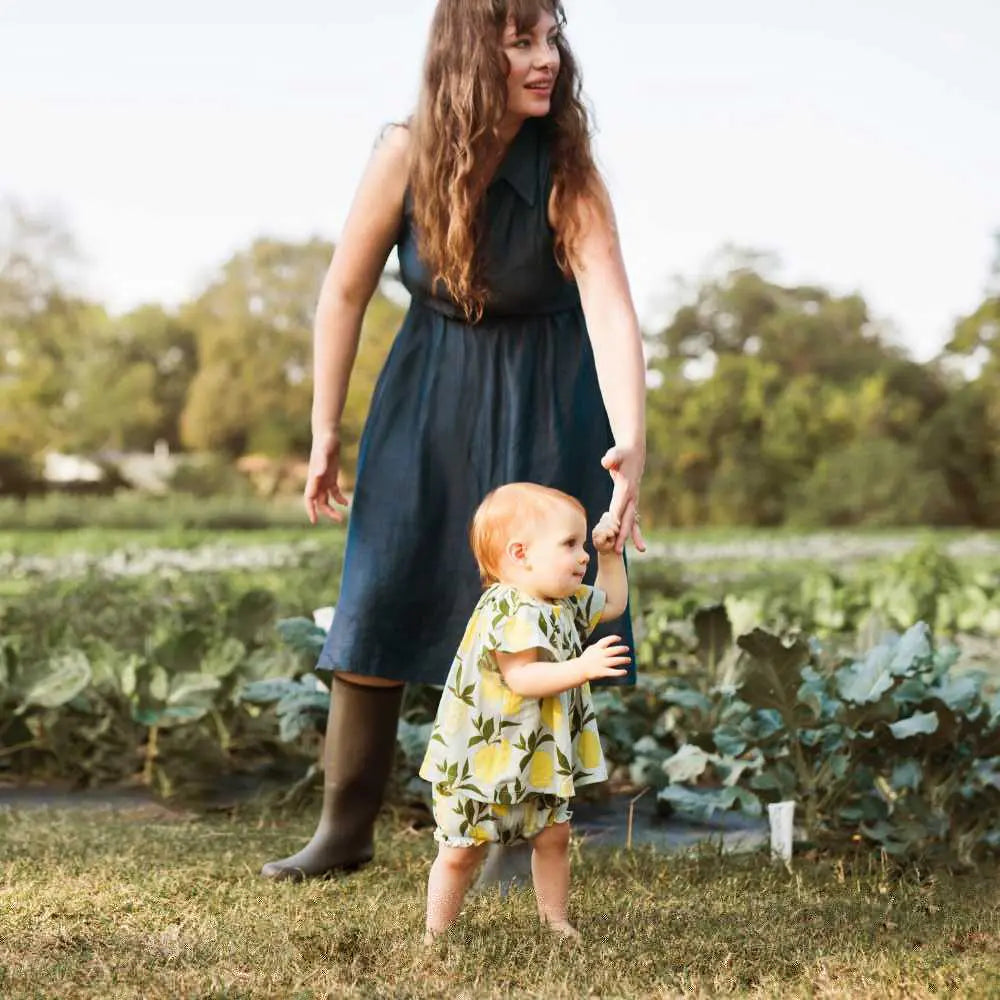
{"x": 515, "y": 731}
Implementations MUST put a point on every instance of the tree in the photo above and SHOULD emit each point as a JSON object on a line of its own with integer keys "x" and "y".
{"x": 757, "y": 384}
{"x": 253, "y": 327}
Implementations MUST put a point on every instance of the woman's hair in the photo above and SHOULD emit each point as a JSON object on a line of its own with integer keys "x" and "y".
{"x": 462, "y": 103}
{"x": 505, "y": 511}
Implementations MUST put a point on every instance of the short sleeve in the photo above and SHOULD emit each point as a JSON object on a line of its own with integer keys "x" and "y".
{"x": 587, "y": 604}
{"x": 518, "y": 626}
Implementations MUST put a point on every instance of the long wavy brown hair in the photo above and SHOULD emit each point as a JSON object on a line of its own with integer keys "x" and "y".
{"x": 455, "y": 134}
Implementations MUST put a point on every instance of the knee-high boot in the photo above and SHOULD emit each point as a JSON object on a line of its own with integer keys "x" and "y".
{"x": 358, "y": 755}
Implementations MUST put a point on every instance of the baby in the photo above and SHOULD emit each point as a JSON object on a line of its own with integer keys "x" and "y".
{"x": 516, "y": 732}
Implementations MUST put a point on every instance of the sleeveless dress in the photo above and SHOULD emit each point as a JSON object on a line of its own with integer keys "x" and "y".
{"x": 459, "y": 409}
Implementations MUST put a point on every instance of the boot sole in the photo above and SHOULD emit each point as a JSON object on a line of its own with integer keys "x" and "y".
{"x": 301, "y": 875}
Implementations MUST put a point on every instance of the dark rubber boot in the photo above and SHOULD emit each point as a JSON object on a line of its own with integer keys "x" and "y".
{"x": 358, "y": 756}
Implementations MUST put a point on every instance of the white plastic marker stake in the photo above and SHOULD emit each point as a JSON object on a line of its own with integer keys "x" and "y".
{"x": 781, "y": 816}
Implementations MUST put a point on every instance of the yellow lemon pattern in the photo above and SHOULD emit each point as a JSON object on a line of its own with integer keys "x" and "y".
{"x": 552, "y": 712}
{"x": 489, "y": 744}
{"x": 541, "y": 770}
{"x": 490, "y": 762}
{"x": 588, "y": 746}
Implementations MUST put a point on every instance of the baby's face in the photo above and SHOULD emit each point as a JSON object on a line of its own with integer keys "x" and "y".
{"x": 556, "y": 554}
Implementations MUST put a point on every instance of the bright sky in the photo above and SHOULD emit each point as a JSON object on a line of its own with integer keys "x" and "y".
{"x": 859, "y": 141}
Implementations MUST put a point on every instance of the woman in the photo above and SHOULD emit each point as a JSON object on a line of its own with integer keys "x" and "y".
{"x": 519, "y": 359}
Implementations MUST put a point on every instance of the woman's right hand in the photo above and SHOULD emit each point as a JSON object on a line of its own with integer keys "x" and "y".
{"x": 604, "y": 657}
{"x": 321, "y": 480}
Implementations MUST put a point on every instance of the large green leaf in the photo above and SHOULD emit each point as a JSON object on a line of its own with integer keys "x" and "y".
{"x": 702, "y": 803}
{"x": 67, "y": 674}
{"x": 253, "y": 614}
{"x": 302, "y": 635}
{"x": 305, "y": 699}
{"x": 814, "y": 694}
{"x": 159, "y": 683}
{"x": 687, "y": 698}
{"x": 772, "y": 673}
{"x": 918, "y": 724}
{"x": 962, "y": 693}
{"x": 182, "y": 651}
{"x": 272, "y": 689}
{"x": 293, "y": 724}
{"x": 911, "y": 651}
{"x": 412, "y": 738}
{"x": 688, "y": 763}
{"x": 867, "y": 680}
{"x": 191, "y": 689}
{"x": 224, "y": 659}
{"x": 715, "y": 635}
{"x": 907, "y": 774}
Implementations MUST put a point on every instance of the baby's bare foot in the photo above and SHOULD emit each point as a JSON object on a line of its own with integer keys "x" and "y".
{"x": 565, "y": 928}
{"x": 430, "y": 937}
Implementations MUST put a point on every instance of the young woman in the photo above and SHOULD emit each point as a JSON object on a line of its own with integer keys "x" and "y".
{"x": 519, "y": 359}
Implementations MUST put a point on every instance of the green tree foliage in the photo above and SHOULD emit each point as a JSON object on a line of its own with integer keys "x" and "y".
{"x": 71, "y": 377}
{"x": 253, "y": 327}
{"x": 776, "y": 404}
{"x": 770, "y": 403}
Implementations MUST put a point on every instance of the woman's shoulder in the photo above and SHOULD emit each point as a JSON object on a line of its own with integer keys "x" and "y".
{"x": 396, "y": 136}
{"x": 392, "y": 146}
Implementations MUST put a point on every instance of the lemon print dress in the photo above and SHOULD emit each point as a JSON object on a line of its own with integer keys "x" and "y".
{"x": 490, "y": 749}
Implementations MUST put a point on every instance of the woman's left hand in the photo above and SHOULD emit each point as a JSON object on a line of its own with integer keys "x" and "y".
{"x": 625, "y": 466}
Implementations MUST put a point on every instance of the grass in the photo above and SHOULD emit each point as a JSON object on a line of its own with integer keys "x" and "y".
{"x": 100, "y": 904}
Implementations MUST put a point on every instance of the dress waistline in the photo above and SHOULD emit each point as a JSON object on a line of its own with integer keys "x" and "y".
{"x": 451, "y": 311}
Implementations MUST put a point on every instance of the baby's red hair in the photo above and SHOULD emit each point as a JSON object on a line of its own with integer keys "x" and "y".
{"x": 505, "y": 510}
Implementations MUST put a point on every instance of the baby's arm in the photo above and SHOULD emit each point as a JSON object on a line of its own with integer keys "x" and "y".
{"x": 525, "y": 675}
{"x": 611, "y": 576}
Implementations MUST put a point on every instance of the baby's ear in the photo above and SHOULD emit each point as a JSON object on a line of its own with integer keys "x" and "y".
{"x": 517, "y": 550}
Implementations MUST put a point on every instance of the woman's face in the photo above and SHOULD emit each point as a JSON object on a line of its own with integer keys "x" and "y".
{"x": 533, "y": 57}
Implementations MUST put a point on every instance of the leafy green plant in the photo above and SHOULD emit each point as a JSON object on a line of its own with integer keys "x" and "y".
{"x": 892, "y": 746}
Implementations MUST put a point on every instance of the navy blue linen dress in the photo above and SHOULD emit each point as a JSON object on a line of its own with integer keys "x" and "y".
{"x": 457, "y": 410}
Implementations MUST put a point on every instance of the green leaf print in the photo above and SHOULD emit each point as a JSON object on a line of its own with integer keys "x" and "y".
{"x": 543, "y": 626}
{"x": 439, "y": 738}
{"x": 564, "y": 765}
{"x": 470, "y": 811}
{"x": 467, "y": 786}
{"x": 453, "y": 772}
{"x": 525, "y": 761}
{"x": 505, "y": 724}
{"x": 473, "y": 740}
{"x": 488, "y": 729}
{"x": 504, "y": 607}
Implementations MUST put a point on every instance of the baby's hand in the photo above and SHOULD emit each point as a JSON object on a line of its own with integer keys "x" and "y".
{"x": 605, "y": 658}
{"x": 605, "y": 533}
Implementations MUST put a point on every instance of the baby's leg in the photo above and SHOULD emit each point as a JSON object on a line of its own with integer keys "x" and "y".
{"x": 550, "y": 873}
{"x": 449, "y": 879}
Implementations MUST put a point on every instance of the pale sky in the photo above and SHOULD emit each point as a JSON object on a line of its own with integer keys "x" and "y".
{"x": 859, "y": 141}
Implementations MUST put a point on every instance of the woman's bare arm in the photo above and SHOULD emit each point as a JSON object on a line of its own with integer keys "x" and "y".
{"x": 369, "y": 233}
{"x": 613, "y": 328}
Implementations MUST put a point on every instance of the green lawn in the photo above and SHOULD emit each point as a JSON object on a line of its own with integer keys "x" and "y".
{"x": 118, "y": 905}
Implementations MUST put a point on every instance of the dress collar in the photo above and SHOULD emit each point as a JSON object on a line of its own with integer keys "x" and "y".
{"x": 519, "y": 167}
